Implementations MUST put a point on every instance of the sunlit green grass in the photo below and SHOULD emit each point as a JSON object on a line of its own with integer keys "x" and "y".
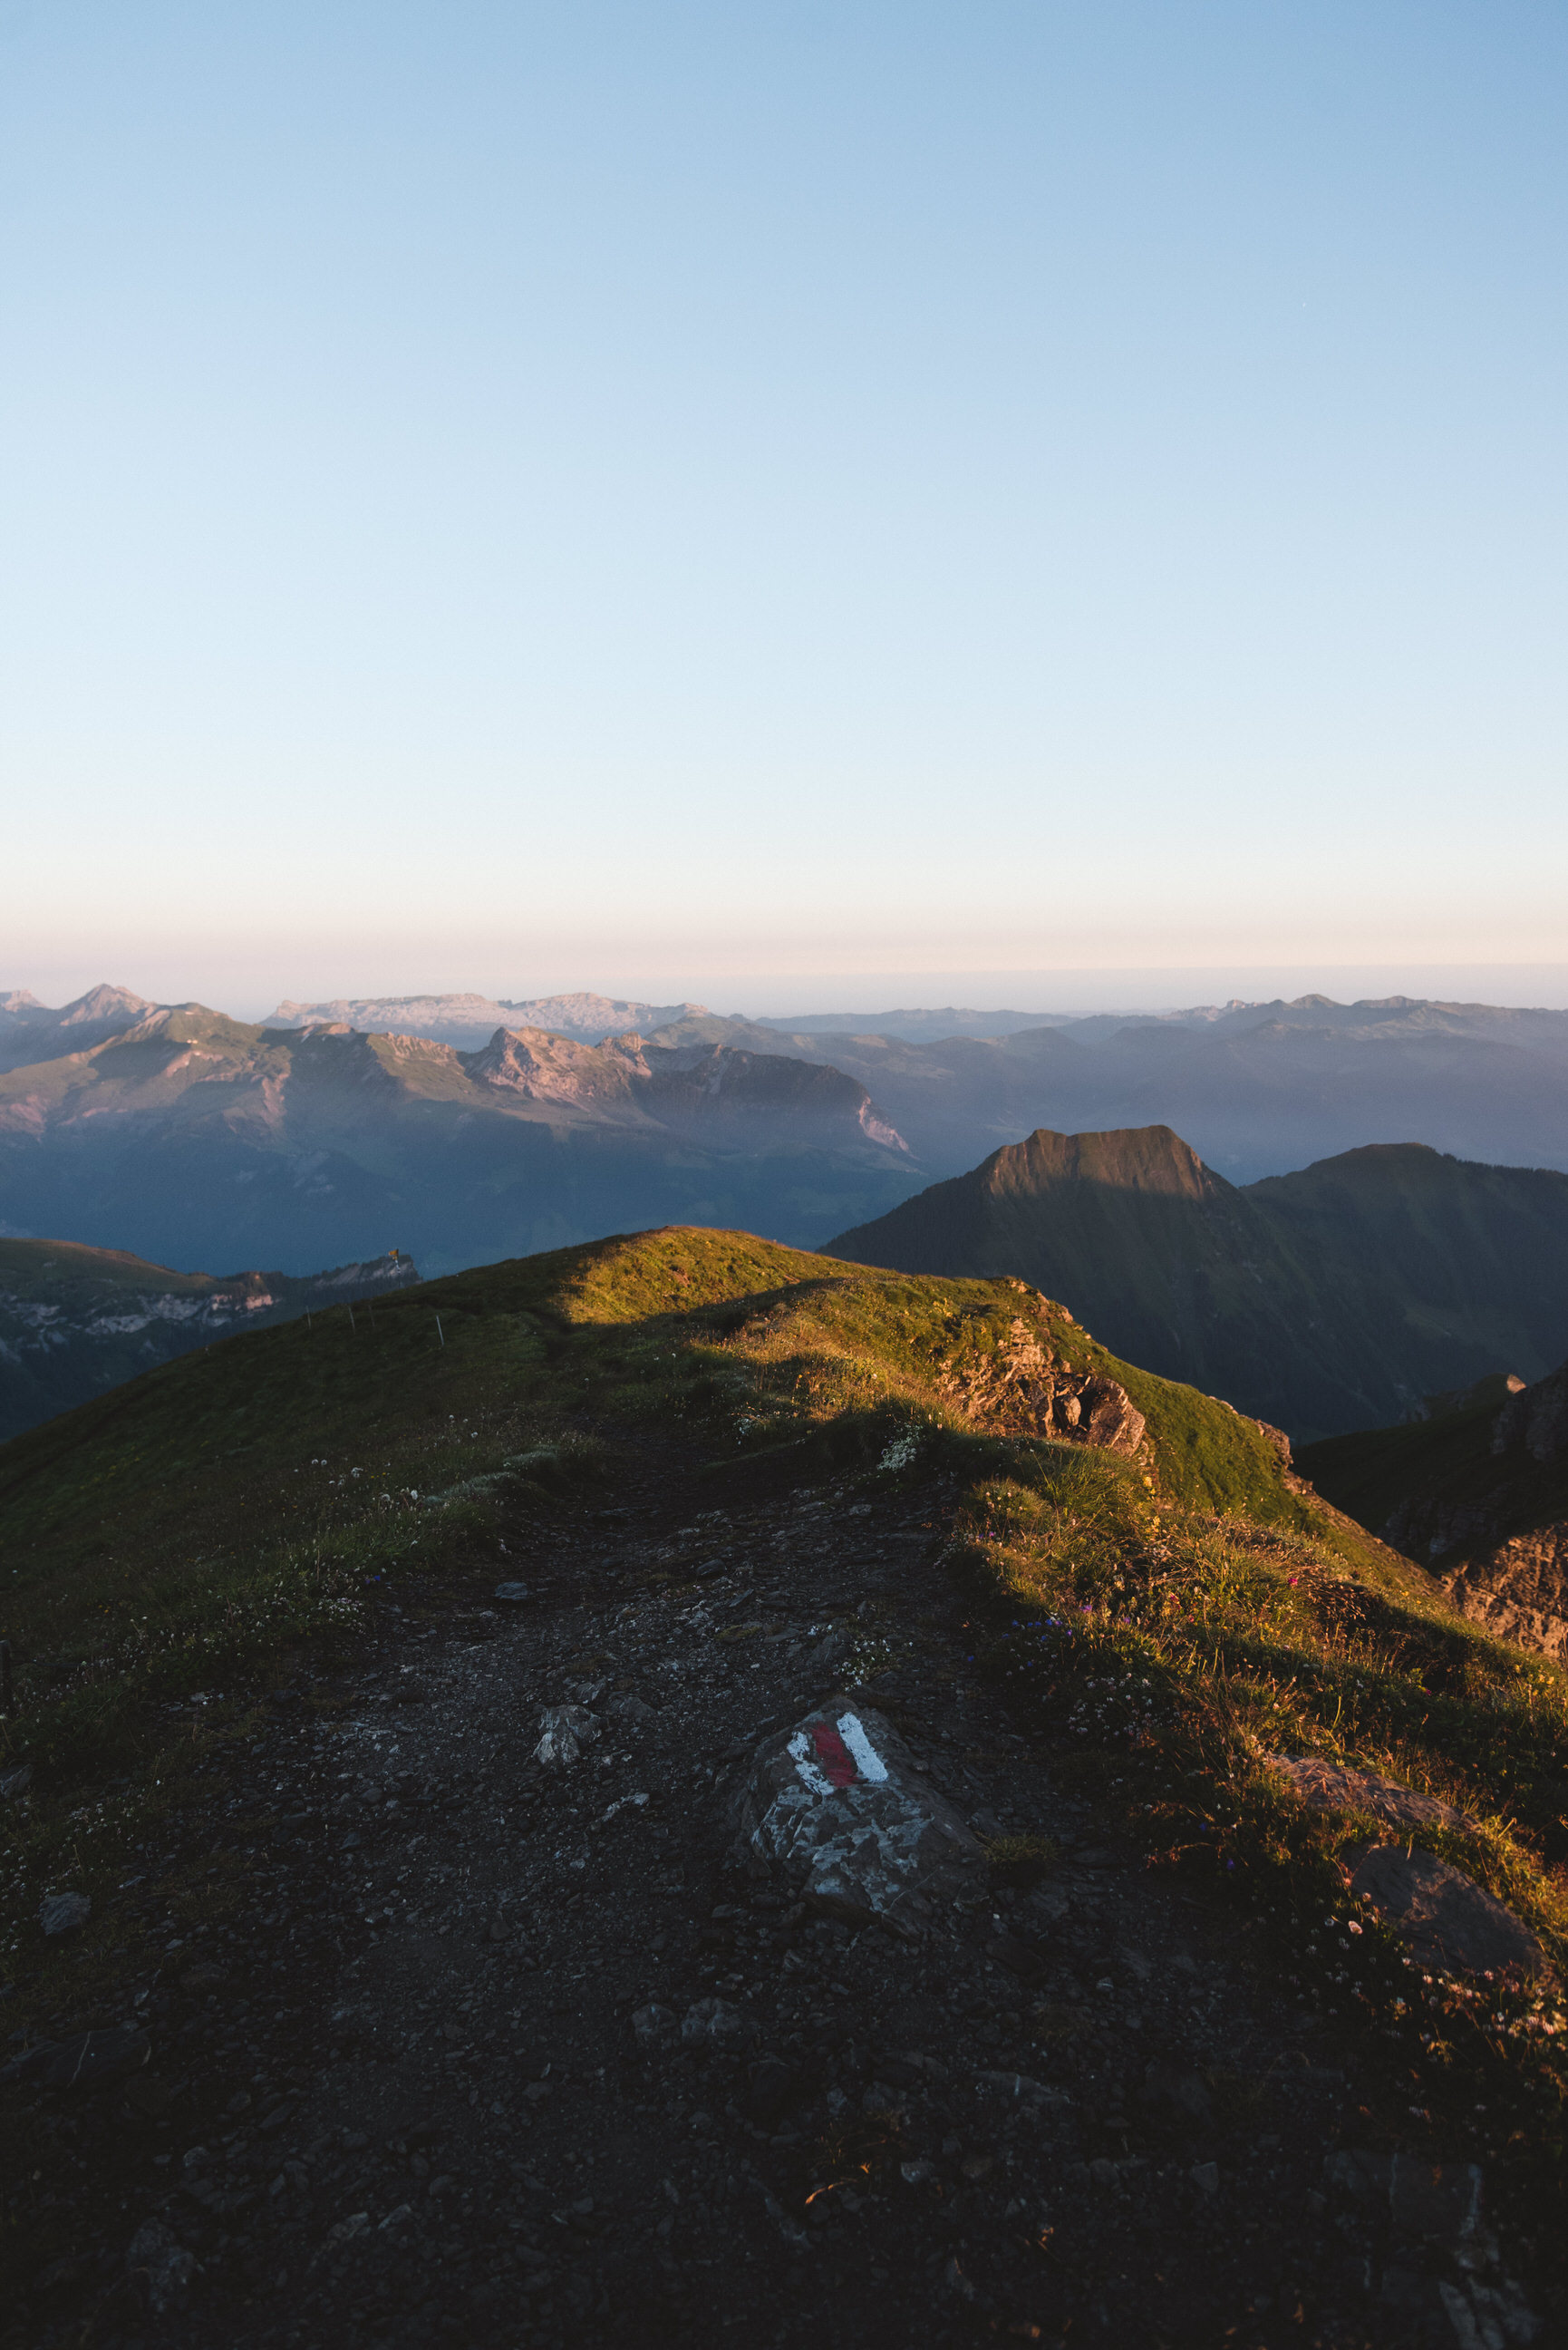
{"x": 176, "y": 1534}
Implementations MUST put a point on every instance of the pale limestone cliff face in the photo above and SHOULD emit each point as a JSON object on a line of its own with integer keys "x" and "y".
{"x": 469, "y": 1020}
{"x": 542, "y": 1067}
{"x": 676, "y": 1085}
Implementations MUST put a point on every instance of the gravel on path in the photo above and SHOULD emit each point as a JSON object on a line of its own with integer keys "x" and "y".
{"x": 503, "y": 2050}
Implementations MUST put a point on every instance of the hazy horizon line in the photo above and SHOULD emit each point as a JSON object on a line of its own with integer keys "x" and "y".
{"x": 1076, "y": 992}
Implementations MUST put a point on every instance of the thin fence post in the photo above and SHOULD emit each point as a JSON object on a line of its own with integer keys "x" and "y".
{"x": 440, "y": 1334}
{"x": 352, "y": 1323}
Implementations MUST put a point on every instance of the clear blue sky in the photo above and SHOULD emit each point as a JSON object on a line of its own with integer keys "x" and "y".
{"x": 509, "y": 495}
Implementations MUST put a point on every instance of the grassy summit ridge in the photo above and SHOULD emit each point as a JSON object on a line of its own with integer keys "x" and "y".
{"x": 1166, "y": 1621}
{"x": 259, "y": 1483}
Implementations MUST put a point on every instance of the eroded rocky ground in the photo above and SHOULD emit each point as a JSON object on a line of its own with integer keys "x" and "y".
{"x": 410, "y": 2089}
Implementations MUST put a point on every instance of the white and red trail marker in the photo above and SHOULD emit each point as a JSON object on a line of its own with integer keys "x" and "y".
{"x": 837, "y": 1806}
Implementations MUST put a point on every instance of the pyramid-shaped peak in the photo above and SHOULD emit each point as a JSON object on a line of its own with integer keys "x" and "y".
{"x": 104, "y": 1003}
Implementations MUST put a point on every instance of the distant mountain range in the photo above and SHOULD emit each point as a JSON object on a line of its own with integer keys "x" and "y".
{"x": 911, "y": 1026}
{"x": 1257, "y": 1089}
{"x": 1331, "y": 1299}
{"x": 469, "y": 1020}
{"x": 31, "y": 1031}
{"x": 189, "y": 1135}
{"x": 466, "y": 1137}
{"x": 589, "y": 1018}
{"x": 74, "y": 1321}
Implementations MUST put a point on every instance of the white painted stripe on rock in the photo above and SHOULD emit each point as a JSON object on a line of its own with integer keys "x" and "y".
{"x": 868, "y": 1763}
{"x": 805, "y": 1764}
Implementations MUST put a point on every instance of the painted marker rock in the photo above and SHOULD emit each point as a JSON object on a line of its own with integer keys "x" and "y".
{"x": 835, "y": 1806}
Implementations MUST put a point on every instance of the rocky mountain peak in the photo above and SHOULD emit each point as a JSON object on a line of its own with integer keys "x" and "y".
{"x": 103, "y": 1002}
{"x": 1132, "y": 1158}
{"x": 548, "y": 1067}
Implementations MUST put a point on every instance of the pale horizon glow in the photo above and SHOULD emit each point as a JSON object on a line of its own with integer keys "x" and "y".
{"x": 518, "y": 497}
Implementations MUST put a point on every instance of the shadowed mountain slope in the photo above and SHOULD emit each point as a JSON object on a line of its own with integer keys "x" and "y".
{"x": 74, "y": 1321}
{"x": 1325, "y": 1300}
{"x": 1478, "y": 1494}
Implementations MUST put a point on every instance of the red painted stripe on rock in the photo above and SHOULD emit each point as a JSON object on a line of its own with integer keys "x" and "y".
{"x": 836, "y": 1759}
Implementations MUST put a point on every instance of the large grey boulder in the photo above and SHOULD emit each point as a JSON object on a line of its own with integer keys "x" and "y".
{"x": 836, "y": 1807}
{"x": 1440, "y": 2199}
{"x": 159, "y": 2268}
{"x": 1325, "y": 1786}
{"x": 1444, "y": 1916}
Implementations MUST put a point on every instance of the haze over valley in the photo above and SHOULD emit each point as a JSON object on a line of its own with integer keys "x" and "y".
{"x": 479, "y": 1132}
{"x": 1258, "y": 1088}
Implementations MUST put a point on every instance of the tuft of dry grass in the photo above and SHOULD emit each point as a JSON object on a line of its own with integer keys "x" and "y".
{"x": 1021, "y": 1860}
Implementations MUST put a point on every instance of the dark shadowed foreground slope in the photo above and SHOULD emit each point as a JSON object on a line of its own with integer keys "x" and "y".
{"x": 1324, "y": 1300}
{"x": 396, "y": 1701}
{"x": 74, "y": 1321}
